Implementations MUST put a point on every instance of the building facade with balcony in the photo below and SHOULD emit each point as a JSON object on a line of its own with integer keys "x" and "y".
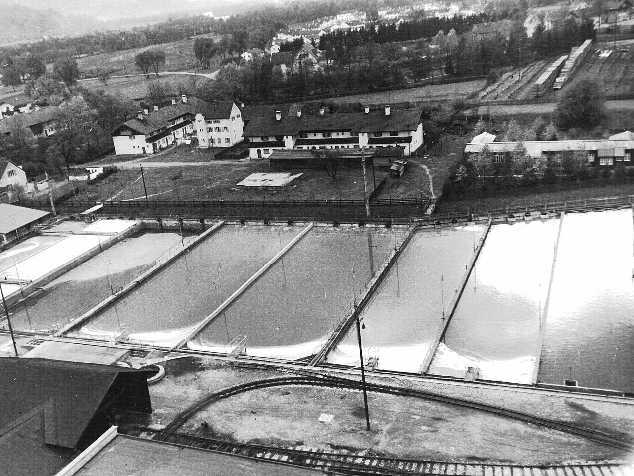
{"x": 369, "y": 129}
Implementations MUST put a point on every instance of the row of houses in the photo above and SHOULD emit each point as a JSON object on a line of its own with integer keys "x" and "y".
{"x": 618, "y": 149}
{"x": 269, "y": 130}
{"x": 41, "y": 122}
{"x": 218, "y": 124}
{"x": 221, "y": 124}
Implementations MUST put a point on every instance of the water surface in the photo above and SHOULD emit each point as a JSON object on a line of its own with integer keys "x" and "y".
{"x": 403, "y": 317}
{"x": 78, "y": 290}
{"x": 496, "y": 325}
{"x": 289, "y": 312}
{"x": 590, "y": 322}
{"x": 164, "y": 309}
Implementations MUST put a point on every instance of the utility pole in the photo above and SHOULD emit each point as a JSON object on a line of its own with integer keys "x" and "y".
{"x": 6, "y": 311}
{"x": 50, "y": 194}
{"x": 365, "y": 391}
{"x": 366, "y": 199}
{"x": 143, "y": 179}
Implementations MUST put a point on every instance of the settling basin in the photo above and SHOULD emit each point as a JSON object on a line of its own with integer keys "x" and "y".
{"x": 78, "y": 290}
{"x": 168, "y": 306}
{"x": 590, "y": 325}
{"x": 290, "y": 311}
{"x": 403, "y": 317}
{"x": 496, "y": 325}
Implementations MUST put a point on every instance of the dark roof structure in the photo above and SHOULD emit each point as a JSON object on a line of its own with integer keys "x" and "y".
{"x": 28, "y": 119}
{"x": 13, "y": 217}
{"x": 78, "y": 399}
{"x": 157, "y": 120}
{"x": 264, "y": 123}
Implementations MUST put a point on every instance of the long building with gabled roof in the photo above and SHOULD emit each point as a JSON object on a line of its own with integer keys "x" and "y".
{"x": 267, "y": 131}
{"x": 217, "y": 124}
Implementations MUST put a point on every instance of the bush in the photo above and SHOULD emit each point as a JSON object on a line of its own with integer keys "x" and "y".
{"x": 582, "y": 105}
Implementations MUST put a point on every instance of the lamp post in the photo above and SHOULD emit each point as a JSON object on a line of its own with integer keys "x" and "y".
{"x": 143, "y": 179}
{"x": 6, "y": 311}
{"x": 365, "y": 392}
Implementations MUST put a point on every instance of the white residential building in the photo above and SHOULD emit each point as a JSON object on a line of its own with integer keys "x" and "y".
{"x": 219, "y": 125}
{"x": 385, "y": 127}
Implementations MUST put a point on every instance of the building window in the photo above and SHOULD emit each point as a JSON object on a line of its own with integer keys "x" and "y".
{"x": 394, "y": 134}
{"x": 227, "y": 141}
{"x": 266, "y": 151}
{"x": 217, "y": 129}
{"x": 498, "y": 158}
{"x": 11, "y": 173}
{"x": 605, "y": 161}
{"x": 377, "y": 134}
{"x": 226, "y": 129}
{"x": 303, "y": 135}
{"x": 327, "y": 134}
{"x": 131, "y": 137}
{"x": 628, "y": 156}
{"x": 590, "y": 157}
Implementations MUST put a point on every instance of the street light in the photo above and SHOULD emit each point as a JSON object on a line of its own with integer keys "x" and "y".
{"x": 365, "y": 392}
{"x": 6, "y": 311}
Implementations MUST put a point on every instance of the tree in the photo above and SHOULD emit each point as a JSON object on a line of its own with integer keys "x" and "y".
{"x": 75, "y": 130}
{"x": 143, "y": 61}
{"x": 46, "y": 87}
{"x": 34, "y": 67}
{"x": 582, "y": 105}
{"x": 157, "y": 59}
{"x": 103, "y": 75}
{"x": 66, "y": 69}
{"x": 11, "y": 76}
{"x": 550, "y": 132}
{"x": 204, "y": 50}
{"x": 157, "y": 91}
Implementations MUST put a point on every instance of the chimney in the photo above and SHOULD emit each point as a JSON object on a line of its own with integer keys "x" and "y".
{"x": 146, "y": 111}
{"x": 184, "y": 98}
{"x": 299, "y": 113}
{"x": 387, "y": 110}
{"x": 322, "y": 110}
{"x": 155, "y": 107}
{"x": 278, "y": 115}
{"x": 366, "y": 109}
{"x": 173, "y": 101}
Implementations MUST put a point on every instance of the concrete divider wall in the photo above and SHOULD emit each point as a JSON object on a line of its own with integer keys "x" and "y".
{"x": 456, "y": 299}
{"x": 25, "y": 291}
{"x": 136, "y": 282}
{"x": 346, "y": 322}
{"x": 246, "y": 285}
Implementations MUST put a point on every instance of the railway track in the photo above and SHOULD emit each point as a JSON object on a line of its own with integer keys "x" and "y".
{"x": 362, "y": 464}
{"x": 597, "y": 436}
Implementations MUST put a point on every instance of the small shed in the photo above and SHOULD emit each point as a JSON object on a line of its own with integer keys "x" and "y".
{"x": 16, "y": 221}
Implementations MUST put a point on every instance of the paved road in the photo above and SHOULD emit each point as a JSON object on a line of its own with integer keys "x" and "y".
{"x": 134, "y": 164}
{"x": 211, "y": 75}
{"x": 546, "y": 108}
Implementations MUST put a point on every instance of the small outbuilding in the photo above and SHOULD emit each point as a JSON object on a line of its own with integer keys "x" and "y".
{"x": 16, "y": 221}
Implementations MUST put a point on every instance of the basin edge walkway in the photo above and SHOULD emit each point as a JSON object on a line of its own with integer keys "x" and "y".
{"x": 342, "y": 328}
{"x": 137, "y": 281}
{"x": 246, "y": 285}
{"x": 544, "y": 314}
{"x": 444, "y": 325}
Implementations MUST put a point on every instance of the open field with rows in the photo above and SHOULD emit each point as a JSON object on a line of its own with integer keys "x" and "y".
{"x": 179, "y": 56}
{"x": 431, "y": 92}
{"x": 136, "y": 87}
{"x": 515, "y": 84}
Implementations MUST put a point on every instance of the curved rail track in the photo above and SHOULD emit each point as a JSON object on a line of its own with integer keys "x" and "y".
{"x": 614, "y": 441}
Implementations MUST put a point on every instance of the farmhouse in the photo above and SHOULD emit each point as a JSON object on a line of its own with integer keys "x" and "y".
{"x": 11, "y": 176}
{"x": 41, "y": 122}
{"x": 217, "y": 124}
{"x": 267, "y": 131}
{"x": 16, "y": 222}
{"x": 616, "y": 150}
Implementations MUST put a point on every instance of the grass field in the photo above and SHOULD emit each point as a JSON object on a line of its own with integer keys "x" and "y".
{"x": 614, "y": 74}
{"x": 432, "y": 92}
{"x": 179, "y": 56}
{"x": 218, "y": 182}
{"x": 137, "y": 87}
{"x": 531, "y": 198}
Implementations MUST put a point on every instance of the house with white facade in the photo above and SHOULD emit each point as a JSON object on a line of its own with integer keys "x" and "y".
{"x": 267, "y": 131}
{"x": 179, "y": 122}
{"x": 11, "y": 176}
{"x": 219, "y": 124}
